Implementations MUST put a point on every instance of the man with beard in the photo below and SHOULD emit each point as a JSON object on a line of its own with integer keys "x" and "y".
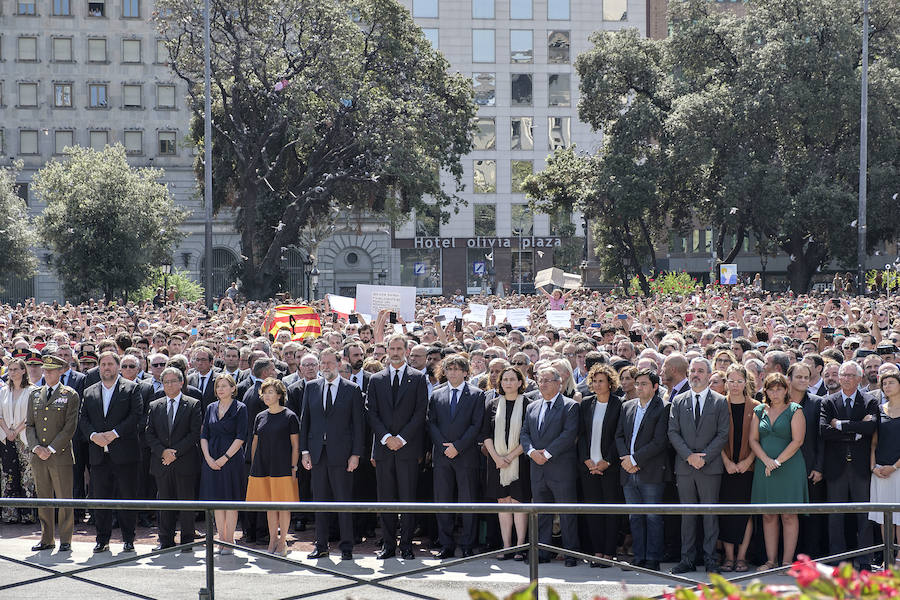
{"x": 870, "y": 367}
{"x": 830, "y": 376}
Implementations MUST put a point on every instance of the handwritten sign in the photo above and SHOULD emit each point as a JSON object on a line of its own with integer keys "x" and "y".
{"x": 370, "y": 299}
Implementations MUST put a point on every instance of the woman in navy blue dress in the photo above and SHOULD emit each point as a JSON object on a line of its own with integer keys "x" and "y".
{"x": 222, "y": 441}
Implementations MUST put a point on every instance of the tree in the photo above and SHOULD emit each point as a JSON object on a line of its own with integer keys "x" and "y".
{"x": 318, "y": 105}
{"x": 107, "y": 223}
{"x": 16, "y": 232}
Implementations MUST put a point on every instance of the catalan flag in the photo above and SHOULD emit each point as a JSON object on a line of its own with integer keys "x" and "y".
{"x": 301, "y": 321}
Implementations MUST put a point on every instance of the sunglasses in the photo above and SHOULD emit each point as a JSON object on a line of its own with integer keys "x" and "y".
{"x": 129, "y": 366}
{"x": 157, "y": 364}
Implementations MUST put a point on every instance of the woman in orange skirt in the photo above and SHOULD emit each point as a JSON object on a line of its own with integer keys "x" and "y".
{"x": 275, "y": 454}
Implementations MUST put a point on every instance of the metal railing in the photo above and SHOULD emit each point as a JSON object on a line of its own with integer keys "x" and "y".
{"x": 534, "y": 546}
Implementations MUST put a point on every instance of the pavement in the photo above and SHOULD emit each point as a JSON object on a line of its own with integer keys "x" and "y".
{"x": 243, "y": 576}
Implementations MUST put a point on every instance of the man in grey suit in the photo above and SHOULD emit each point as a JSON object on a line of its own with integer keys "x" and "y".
{"x": 548, "y": 438}
{"x": 698, "y": 430}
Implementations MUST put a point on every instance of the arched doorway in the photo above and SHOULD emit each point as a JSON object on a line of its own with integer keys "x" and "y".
{"x": 223, "y": 262}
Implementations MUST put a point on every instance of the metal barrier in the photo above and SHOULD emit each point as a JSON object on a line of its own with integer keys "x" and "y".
{"x": 534, "y": 546}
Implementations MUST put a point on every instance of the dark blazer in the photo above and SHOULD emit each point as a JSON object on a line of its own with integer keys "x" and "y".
{"x": 557, "y": 436}
{"x": 607, "y": 431}
{"x": 186, "y": 389}
{"x": 91, "y": 376}
{"x": 461, "y": 429}
{"x": 813, "y": 448}
{"x": 291, "y": 378}
{"x": 184, "y": 438}
{"x": 823, "y": 390}
{"x": 678, "y": 390}
{"x": 342, "y": 428}
{"x": 145, "y": 389}
{"x": 651, "y": 446}
{"x": 406, "y": 418}
{"x": 295, "y": 396}
{"x": 839, "y": 444}
{"x": 76, "y": 382}
{"x": 366, "y": 378}
{"x": 209, "y": 394}
{"x": 125, "y": 413}
{"x": 709, "y": 437}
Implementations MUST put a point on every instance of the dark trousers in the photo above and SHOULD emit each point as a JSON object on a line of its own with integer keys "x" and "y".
{"x": 849, "y": 486}
{"x": 602, "y": 529}
{"x": 646, "y": 530}
{"x": 174, "y": 486}
{"x": 814, "y": 528}
{"x": 560, "y": 492}
{"x": 119, "y": 482}
{"x": 332, "y": 483}
{"x": 396, "y": 482}
{"x": 80, "y": 448}
{"x": 447, "y": 476}
{"x": 698, "y": 488}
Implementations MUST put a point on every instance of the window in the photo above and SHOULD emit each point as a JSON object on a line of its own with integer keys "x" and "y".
{"x": 167, "y": 143}
{"x": 131, "y": 96}
{"x": 433, "y": 35}
{"x": 27, "y": 8}
{"x": 428, "y": 221}
{"x": 425, "y": 9}
{"x": 521, "y": 46}
{"x": 519, "y": 170}
{"x": 615, "y": 10}
{"x": 559, "y": 91}
{"x": 162, "y": 52}
{"x": 97, "y": 93}
{"x": 677, "y": 242}
{"x": 558, "y": 9}
{"x": 96, "y": 50}
{"x": 483, "y": 45}
{"x": 428, "y": 279}
{"x": 96, "y": 8}
{"x": 485, "y": 220}
{"x": 485, "y": 85}
{"x": 61, "y": 8}
{"x": 521, "y": 219}
{"x": 521, "y": 89}
{"x": 63, "y": 140}
{"x": 28, "y": 94}
{"x": 131, "y": 9}
{"x": 558, "y": 47}
{"x": 482, "y": 9}
{"x": 62, "y": 95}
{"x": 27, "y": 49}
{"x": 28, "y": 141}
{"x": 560, "y": 132}
{"x": 99, "y": 139}
{"x": 521, "y": 135}
{"x": 485, "y": 134}
{"x": 520, "y": 9}
{"x": 62, "y": 49}
{"x": 131, "y": 51}
{"x": 165, "y": 96}
{"x": 134, "y": 142}
{"x": 485, "y": 177}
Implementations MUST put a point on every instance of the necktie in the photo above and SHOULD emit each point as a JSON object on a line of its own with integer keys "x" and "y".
{"x": 697, "y": 410}
{"x": 171, "y": 414}
{"x": 453, "y": 402}
{"x": 395, "y": 385}
{"x": 544, "y": 414}
{"x": 329, "y": 400}
{"x": 848, "y": 405}
{"x": 203, "y": 384}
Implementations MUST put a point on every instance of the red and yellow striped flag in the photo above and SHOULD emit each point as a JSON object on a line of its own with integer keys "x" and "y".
{"x": 301, "y": 321}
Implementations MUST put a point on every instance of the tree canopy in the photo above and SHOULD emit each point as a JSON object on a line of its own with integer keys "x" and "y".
{"x": 106, "y": 223}
{"x": 319, "y": 106}
{"x": 16, "y": 231}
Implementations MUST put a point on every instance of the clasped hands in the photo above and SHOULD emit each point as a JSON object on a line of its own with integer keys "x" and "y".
{"x": 697, "y": 460}
{"x": 168, "y": 456}
{"x": 596, "y": 468}
{"x": 104, "y": 438}
{"x": 43, "y": 452}
{"x": 393, "y": 443}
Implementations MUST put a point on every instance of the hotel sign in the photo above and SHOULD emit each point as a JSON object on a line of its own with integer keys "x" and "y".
{"x": 525, "y": 242}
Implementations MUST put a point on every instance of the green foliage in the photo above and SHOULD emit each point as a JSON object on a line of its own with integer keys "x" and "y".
{"x": 105, "y": 221}
{"x": 890, "y": 280}
{"x": 185, "y": 287}
{"x": 16, "y": 231}
{"x": 366, "y": 115}
{"x": 669, "y": 283}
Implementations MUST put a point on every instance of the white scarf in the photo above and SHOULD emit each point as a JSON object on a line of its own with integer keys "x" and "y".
{"x": 504, "y": 446}
{"x": 14, "y": 410}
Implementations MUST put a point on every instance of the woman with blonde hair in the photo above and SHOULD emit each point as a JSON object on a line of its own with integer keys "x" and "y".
{"x": 562, "y": 366}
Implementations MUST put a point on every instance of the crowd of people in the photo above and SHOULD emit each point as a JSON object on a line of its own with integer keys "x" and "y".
{"x": 721, "y": 396}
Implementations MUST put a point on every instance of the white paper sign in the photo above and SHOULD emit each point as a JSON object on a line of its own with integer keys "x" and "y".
{"x": 518, "y": 317}
{"x": 370, "y": 299}
{"x": 499, "y": 315}
{"x": 560, "y": 319}
{"x": 343, "y": 305}
{"x": 450, "y": 313}
{"x": 477, "y": 313}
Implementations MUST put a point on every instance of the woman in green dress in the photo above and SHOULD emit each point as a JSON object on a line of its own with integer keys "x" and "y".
{"x": 779, "y": 475}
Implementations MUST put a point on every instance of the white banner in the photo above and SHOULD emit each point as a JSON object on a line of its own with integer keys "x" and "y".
{"x": 370, "y": 299}
{"x": 560, "y": 319}
{"x": 342, "y": 305}
{"x": 450, "y": 313}
{"x": 519, "y": 317}
{"x": 477, "y": 313}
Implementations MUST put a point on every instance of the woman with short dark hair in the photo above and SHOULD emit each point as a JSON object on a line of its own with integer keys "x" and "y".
{"x": 17, "y": 480}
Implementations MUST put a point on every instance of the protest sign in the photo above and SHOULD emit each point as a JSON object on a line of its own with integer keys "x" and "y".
{"x": 518, "y": 317}
{"x": 371, "y": 299}
{"x": 342, "y": 305}
{"x": 557, "y": 278}
{"x": 728, "y": 274}
{"x": 560, "y": 319}
{"x": 450, "y": 313}
{"x": 477, "y": 313}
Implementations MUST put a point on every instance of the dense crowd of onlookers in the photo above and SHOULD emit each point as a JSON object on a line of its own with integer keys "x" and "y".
{"x": 725, "y": 395}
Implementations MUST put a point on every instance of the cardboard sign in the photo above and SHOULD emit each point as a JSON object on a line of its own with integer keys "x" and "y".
{"x": 560, "y": 319}
{"x": 558, "y": 278}
{"x": 370, "y": 299}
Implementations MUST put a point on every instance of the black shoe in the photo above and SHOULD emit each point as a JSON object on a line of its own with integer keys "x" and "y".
{"x": 128, "y": 547}
{"x": 571, "y": 561}
{"x": 386, "y": 554}
{"x": 101, "y": 548}
{"x": 346, "y": 555}
{"x": 407, "y": 554}
{"x": 188, "y": 550}
{"x": 42, "y": 547}
{"x": 65, "y": 547}
{"x": 711, "y": 566}
{"x": 504, "y": 556}
{"x": 467, "y": 552}
{"x": 446, "y": 553}
{"x": 599, "y": 565}
{"x": 317, "y": 554}
{"x": 543, "y": 559}
{"x": 682, "y": 567}
{"x": 651, "y": 564}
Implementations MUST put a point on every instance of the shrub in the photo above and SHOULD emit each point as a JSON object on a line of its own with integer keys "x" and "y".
{"x": 670, "y": 283}
{"x": 185, "y": 287}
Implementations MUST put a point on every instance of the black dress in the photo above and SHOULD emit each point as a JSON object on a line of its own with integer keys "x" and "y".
{"x": 271, "y": 476}
{"x": 520, "y": 489}
{"x": 735, "y": 489}
{"x": 229, "y": 482}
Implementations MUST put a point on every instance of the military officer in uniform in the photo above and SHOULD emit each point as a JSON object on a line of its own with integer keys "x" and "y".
{"x": 52, "y": 418}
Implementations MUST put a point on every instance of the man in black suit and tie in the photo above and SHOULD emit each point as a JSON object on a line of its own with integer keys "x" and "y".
{"x": 110, "y": 415}
{"x": 397, "y": 404}
{"x": 332, "y": 428}
{"x": 173, "y": 434}
{"x": 816, "y": 385}
{"x": 549, "y": 439}
{"x": 204, "y": 378}
{"x": 847, "y": 422}
{"x": 129, "y": 367}
{"x": 675, "y": 375}
{"x": 699, "y": 420}
{"x": 455, "y": 418}
{"x": 643, "y": 446}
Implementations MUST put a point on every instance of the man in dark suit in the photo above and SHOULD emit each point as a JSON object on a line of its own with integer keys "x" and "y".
{"x": 816, "y": 385}
{"x": 397, "y": 404}
{"x": 643, "y": 446}
{"x": 848, "y": 420}
{"x": 364, "y": 482}
{"x": 204, "y": 378}
{"x": 549, "y": 439}
{"x": 130, "y": 367}
{"x": 111, "y": 412}
{"x": 455, "y": 418}
{"x": 699, "y": 421}
{"x": 675, "y": 375}
{"x": 332, "y": 428}
{"x": 173, "y": 434}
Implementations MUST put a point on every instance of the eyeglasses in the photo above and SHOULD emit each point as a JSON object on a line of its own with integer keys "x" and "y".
{"x": 162, "y": 364}
{"x": 518, "y": 363}
{"x": 490, "y": 356}
{"x": 170, "y": 381}
{"x": 129, "y": 366}
{"x": 736, "y": 381}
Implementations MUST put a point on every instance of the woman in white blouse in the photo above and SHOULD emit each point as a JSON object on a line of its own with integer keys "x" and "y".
{"x": 17, "y": 480}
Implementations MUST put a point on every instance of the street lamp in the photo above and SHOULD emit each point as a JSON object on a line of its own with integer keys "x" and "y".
{"x": 314, "y": 274}
{"x": 166, "y": 269}
{"x": 308, "y": 265}
{"x": 382, "y": 276}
